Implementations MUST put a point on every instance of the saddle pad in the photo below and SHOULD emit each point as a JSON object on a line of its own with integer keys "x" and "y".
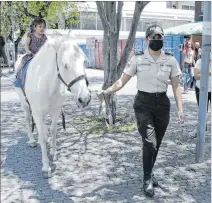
{"x": 21, "y": 76}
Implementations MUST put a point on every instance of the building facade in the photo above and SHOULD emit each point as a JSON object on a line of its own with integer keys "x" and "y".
{"x": 198, "y": 10}
{"x": 166, "y": 14}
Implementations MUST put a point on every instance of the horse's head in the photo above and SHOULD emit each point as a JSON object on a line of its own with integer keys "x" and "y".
{"x": 70, "y": 62}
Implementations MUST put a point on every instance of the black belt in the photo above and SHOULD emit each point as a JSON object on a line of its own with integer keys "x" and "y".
{"x": 156, "y": 94}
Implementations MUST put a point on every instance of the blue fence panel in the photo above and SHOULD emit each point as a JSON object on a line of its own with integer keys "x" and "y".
{"x": 90, "y": 53}
{"x": 91, "y": 58}
{"x": 138, "y": 45}
{"x": 83, "y": 47}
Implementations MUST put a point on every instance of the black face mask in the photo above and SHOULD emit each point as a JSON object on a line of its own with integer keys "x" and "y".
{"x": 155, "y": 45}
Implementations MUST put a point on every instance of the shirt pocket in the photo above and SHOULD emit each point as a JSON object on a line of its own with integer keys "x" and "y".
{"x": 165, "y": 72}
{"x": 143, "y": 67}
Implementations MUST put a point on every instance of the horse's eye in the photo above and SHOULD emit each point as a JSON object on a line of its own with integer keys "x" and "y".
{"x": 66, "y": 67}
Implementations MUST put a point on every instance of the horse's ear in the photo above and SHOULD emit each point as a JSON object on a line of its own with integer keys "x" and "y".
{"x": 71, "y": 35}
{"x": 54, "y": 42}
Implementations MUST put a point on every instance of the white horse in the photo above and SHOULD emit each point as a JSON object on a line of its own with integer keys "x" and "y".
{"x": 59, "y": 63}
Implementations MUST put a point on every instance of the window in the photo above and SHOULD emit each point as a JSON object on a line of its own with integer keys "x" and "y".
{"x": 73, "y": 25}
{"x": 191, "y": 7}
{"x": 128, "y": 23}
{"x": 88, "y": 20}
{"x": 140, "y": 27}
{"x": 122, "y": 24}
{"x": 99, "y": 23}
{"x": 146, "y": 24}
{"x": 171, "y": 4}
{"x": 185, "y": 7}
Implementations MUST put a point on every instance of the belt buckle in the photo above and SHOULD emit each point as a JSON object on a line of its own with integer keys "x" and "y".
{"x": 157, "y": 94}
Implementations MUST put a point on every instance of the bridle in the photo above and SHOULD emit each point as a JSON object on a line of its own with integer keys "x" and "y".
{"x": 81, "y": 77}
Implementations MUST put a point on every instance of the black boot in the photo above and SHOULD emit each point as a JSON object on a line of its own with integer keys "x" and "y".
{"x": 147, "y": 167}
{"x": 154, "y": 181}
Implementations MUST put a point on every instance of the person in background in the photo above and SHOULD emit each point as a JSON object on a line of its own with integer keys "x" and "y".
{"x": 197, "y": 56}
{"x": 197, "y": 75}
{"x": 2, "y": 50}
{"x": 188, "y": 64}
{"x": 198, "y": 51}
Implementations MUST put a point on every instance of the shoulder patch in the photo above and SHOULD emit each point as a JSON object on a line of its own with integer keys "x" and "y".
{"x": 167, "y": 53}
{"x": 139, "y": 53}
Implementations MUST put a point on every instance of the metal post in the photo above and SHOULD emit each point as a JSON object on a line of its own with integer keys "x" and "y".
{"x": 206, "y": 47}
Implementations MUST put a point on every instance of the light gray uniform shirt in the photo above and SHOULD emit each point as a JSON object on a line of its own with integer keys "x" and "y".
{"x": 153, "y": 76}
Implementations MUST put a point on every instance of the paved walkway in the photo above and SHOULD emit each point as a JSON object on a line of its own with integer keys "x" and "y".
{"x": 96, "y": 165}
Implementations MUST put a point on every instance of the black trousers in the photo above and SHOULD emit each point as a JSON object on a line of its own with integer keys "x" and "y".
{"x": 197, "y": 96}
{"x": 153, "y": 114}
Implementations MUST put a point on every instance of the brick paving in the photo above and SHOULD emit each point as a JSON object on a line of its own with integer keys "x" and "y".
{"x": 100, "y": 166}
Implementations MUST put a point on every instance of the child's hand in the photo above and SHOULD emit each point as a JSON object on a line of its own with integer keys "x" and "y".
{"x": 29, "y": 52}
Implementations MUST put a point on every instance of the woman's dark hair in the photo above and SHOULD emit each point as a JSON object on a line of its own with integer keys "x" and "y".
{"x": 37, "y": 21}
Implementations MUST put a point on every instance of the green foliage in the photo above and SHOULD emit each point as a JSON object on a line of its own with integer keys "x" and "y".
{"x": 14, "y": 12}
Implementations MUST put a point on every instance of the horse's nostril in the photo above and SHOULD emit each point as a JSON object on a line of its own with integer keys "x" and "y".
{"x": 80, "y": 100}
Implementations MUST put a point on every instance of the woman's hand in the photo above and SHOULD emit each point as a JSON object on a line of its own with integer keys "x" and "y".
{"x": 182, "y": 68}
{"x": 178, "y": 97}
{"x": 181, "y": 117}
{"x": 100, "y": 94}
{"x": 117, "y": 85}
{"x": 29, "y": 53}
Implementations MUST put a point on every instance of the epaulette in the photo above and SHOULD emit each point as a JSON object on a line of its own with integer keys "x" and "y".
{"x": 170, "y": 54}
{"x": 139, "y": 53}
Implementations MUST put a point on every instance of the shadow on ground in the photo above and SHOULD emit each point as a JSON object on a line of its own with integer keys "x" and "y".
{"x": 104, "y": 166}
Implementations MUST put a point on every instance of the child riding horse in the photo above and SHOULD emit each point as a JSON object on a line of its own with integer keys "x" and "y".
{"x": 35, "y": 40}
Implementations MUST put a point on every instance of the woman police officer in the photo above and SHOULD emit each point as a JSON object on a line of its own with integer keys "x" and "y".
{"x": 153, "y": 68}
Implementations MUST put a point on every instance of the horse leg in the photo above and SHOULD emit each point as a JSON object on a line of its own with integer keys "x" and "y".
{"x": 27, "y": 114}
{"x": 32, "y": 141}
{"x": 42, "y": 130}
{"x": 53, "y": 131}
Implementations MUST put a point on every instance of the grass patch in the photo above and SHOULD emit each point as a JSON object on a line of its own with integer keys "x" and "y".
{"x": 96, "y": 125}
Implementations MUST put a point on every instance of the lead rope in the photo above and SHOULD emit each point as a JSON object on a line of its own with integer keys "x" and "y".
{"x": 108, "y": 110}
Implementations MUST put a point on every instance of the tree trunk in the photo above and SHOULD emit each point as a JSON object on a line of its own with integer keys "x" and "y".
{"x": 22, "y": 32}
{"x": 111, "y": 21}
{"x": 139, "y": 6}
{"x": 110, "y": 42}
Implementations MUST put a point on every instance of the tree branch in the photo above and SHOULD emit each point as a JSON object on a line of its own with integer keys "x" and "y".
{"x": 113, "y": 19}
{"x": 48, "y": 3}
{"x": 102, "y": 15}
{"x": 139, "y": 6}
{"x": 26, "y": 11}
{"x": 119, "y": 14}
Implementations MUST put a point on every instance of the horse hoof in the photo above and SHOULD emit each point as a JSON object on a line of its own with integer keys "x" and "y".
{"x": 32, "y": 144}
{"x": 54, "y": 155}
{"x": 47, "y": 174}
